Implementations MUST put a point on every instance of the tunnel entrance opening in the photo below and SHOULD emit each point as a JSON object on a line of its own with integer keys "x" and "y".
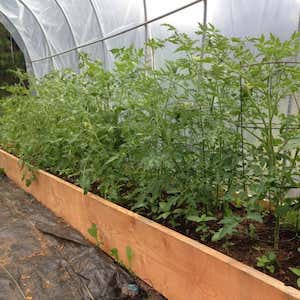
{"x": 11, "y": 59}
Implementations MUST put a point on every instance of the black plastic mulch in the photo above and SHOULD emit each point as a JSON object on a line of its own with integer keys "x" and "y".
{"x": 41, "y": 257}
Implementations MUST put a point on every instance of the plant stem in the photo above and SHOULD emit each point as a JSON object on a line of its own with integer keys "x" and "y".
{"x": 276, "y": 232}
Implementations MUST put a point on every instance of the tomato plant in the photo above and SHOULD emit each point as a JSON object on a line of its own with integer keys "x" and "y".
{"x": 199, "y": 141}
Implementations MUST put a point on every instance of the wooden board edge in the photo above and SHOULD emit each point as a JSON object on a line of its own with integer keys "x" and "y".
{"x": 12, "y": 169}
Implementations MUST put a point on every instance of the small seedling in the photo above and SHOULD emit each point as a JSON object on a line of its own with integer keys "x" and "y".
{"x": 229, "y": 228}
{"x": 267, "y": 262}
{"x": 203, "y": 228}
{"x": 296, "y": 271}
{"x": 252, "y": 232}
{"x": 28, "y": 172}
{"x": 115, "y": 254}
{"x": 129, "y": 255}
{"x": 93, "y": 231}
{"x": 2, "y": 172}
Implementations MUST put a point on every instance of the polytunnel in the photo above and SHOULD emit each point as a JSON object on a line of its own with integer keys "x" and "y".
{"x": 51, "y": 33}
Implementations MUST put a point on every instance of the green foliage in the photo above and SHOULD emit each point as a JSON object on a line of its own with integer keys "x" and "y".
{"x": 252, "y": 232}
{"x": 8, "y": 62}
{"x": 296, "y": 271}
{"x": 182, "y": 143}
{"x": 28, "y": 172}
{"x": 115, "y": 254}
{"x": 203, "y": 227}
{"x": 228, "y": 229}
{"x": 129, "y": 255}
{"x": 93, "y": 232}
{"x": 267, "y": 262}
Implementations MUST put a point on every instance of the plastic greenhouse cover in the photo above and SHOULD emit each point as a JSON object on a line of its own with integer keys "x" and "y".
{"x": 47, "y": 28}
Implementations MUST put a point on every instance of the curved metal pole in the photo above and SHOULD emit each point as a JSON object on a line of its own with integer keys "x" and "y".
{"x": 12, "y": 53}
{"x": 69, "y": 25}
{"x": 149, "y": 59}
{"x": 100, "y": 29}
{"x": 205, "y": 24}
{"x": 18, "y": 39}
{"x": 125, "y": 30}
{"x": 42, "y": 29}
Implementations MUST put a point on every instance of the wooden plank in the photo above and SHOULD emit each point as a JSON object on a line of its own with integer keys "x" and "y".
{"x": 178, "y": 267}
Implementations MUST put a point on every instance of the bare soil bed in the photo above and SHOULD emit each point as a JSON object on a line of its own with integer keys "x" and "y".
{"x": 247, "y": 250}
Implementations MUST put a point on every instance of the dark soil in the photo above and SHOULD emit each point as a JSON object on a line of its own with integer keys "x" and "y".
{"x": 240, "y": 246}
{"x": 247, "y": 250}
{"x": 43, "y": 258}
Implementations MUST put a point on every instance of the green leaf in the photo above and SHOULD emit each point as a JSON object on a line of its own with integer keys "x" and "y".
{"x": 93, "y": 231}
{"x": 112, "y": 159}
{"x": 2, "y": 172}
{"x": 296, "y": 271}
{"x": 255, "y": 216}
{"x": 129, "y": 254}
{"x": 236, "y": 40}
{"x": 229, "y": 228}
{"x": 267, "y": 262}
{"x": 223, "y": 232}
{"x": 298, "y": 282}
{"x": 203, "y": 218}
{"x": 28, "y": 182}
{"x": 115, "y": 254}
{"x": 272, "y": 256}
{"x": 169, "y": 27}
{"x": 164, "y": 215}
{"x": 194, "y": 219}
{"x": 115, "y": 51}
{"x": 85, "y": 183}
{"x": 271, "y": 269}
{"x": 165, "y": 206}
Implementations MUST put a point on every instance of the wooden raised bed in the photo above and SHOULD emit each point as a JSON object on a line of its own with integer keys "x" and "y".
{"x": 176, "y": 266}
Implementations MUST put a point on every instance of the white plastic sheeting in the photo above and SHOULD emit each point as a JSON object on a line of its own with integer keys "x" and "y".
{"x": 51, "y": 33}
